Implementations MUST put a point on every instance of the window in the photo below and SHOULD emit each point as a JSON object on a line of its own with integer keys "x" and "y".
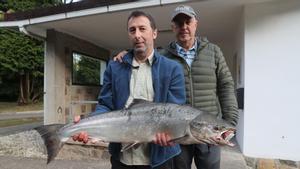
{"x": 87, "y": 70}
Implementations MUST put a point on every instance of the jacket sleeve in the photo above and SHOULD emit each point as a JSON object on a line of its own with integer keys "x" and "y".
{"x": 225, "y": 89}
{"x": 105, "y": 101}
{"x": 176, "y": 93}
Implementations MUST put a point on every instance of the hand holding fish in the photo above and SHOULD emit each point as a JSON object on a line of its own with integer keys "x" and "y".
{"x": 163, "y": 139}
{"x": 82, "y": 136}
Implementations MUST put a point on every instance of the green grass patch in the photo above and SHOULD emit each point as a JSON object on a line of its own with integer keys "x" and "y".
{"x": 15, "y": 122}
{"x": 8, "y": 107}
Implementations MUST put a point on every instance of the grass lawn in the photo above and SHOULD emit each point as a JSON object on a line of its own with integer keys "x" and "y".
{"x": 14, "y": 122}
{"x": 8, "y": 107}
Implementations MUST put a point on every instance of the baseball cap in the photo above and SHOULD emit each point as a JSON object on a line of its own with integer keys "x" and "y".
{"x": 184, "y": 9}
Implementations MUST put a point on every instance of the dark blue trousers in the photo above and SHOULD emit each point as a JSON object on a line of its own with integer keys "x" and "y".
{"x": 116, "y": 164}
{"x": 205, "y": 157}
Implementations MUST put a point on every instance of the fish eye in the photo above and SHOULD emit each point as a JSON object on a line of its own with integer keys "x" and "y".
{"x": 216, "y": 128}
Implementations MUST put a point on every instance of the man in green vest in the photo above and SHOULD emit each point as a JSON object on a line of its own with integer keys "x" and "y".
{"x": 208, "y": 81}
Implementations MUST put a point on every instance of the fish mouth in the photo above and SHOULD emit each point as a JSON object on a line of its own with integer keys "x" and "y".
{"x": 214, "y": 135}
{"x": 225, "y": 137}
{"x": 222, "y": 138}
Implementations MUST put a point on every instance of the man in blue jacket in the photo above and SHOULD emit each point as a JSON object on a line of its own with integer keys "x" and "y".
{"x": 143, "y": 74}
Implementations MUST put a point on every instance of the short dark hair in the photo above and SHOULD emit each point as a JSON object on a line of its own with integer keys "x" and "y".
{"x": 135, "y": 14}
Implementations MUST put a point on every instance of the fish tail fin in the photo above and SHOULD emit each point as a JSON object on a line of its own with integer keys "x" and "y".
{"x": 51, "y": 139}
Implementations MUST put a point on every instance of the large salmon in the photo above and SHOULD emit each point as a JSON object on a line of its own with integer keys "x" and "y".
{"x": 139, "y": 123}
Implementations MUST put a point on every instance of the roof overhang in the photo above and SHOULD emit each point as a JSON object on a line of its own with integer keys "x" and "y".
{"x": 106, "y": 25}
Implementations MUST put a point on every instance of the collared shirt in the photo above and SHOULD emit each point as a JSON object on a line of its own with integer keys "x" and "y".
{"x": 189, "y": 55}
{"x": 140, "y": 88}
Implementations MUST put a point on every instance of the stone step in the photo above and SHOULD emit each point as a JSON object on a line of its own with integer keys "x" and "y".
{"x": 266, "y": 164}
{"x": 262, "y": 163}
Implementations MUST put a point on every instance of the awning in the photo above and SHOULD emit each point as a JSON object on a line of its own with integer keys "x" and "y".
{"x": 105, "y": 25}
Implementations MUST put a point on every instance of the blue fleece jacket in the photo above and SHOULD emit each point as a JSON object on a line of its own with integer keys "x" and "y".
{"x": 168, "y": 84}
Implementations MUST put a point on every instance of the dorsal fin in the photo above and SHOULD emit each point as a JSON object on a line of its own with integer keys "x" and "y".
{"x": 137, "y": 102}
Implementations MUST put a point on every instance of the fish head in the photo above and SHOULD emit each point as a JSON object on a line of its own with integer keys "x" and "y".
{"x": 207, "y": 128}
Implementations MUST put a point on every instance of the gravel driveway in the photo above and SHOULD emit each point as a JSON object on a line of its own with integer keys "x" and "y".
{"x": 34, "y": 163}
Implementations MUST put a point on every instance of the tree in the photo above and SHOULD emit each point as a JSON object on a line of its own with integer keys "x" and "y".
{"x": 26, "y": 5}
{"x": 22, "y": 57}
{"x": 86, "y": 70}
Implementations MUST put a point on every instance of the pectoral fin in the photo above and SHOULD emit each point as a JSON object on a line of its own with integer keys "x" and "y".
{"x": 129, "y": 146}
{"x": 180, "y": 140}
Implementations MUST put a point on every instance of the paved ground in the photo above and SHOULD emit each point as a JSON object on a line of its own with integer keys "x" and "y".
{"x": 31, "y": 163}
{"x": 16, "y": 129}
{"x": 232, "y": 158}
{"x": 21, "y": 115}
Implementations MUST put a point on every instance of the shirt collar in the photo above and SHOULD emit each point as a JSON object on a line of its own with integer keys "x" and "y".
{"x": 149, "y": 60}
{"x": 194, "y": 47}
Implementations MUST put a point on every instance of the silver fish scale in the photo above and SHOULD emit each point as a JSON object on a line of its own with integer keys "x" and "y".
{"x": 139, "y": 123}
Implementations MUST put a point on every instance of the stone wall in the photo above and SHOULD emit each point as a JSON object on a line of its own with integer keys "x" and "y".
{"x": 260, "y": 163}
{"x": 81, "y": 93}
{"x": 30, "y": 144}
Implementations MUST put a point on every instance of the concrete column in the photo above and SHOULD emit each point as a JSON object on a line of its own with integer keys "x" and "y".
{"x": 54, "y": 81}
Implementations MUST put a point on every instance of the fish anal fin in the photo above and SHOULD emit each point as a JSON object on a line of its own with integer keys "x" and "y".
{"x": 129, "y": 146}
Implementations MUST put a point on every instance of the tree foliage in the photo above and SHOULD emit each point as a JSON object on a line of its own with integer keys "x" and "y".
{"x": 24, "y": 5}
{"x": 20, "y": 53}
{"x": 22, "y": 57}
{"x": 86, "y": 71}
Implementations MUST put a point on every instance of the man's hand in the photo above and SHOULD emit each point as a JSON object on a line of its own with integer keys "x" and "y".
{"x": 82, "y": 136}
{"x": 120, "y": 56}
{"x": 163, "y": 139}
{"x": 76, "y": 119}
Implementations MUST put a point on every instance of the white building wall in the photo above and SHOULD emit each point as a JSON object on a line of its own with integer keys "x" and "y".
{"x": 272, "y": 80}
{"x": 228, "y": 49}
